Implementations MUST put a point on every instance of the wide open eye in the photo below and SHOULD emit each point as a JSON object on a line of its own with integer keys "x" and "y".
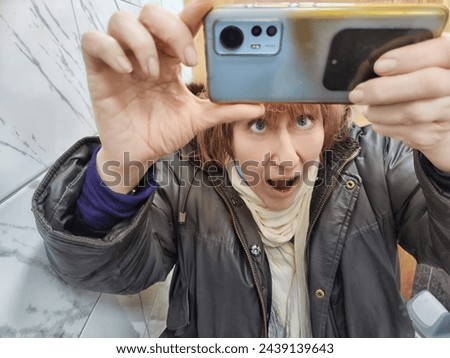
{"x": 304, "y": 122}
{"x": 258, "y": 126}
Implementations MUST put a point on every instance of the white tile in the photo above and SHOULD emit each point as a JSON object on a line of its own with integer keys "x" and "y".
{"x": 44, "y": 102}
{"x": 93, "y": 15}
{"x": 44, "y": 108}
{"x": 146, "y": 335}
{"x": 133, "y": 2}
{"x": 135, "y": 6}
{"x": 34, "y": 302}
{"x": 116, "y": 316}
{"x": 155, "y": 305}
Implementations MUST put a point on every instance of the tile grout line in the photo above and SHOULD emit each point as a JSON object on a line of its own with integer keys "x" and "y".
{"x": 143, "y": 315}
{"x": 89, "y": 316}
{"x": 21, "y": 187}
{"x": 158, "y": 289}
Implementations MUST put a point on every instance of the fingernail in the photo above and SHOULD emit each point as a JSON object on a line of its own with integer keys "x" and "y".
{"x": 124, "y": 64}
{"x": 153, "y": 67}
{"x": 356, "y": 96}
{"x": 385, "y": 65}
{"x": 190, "y": 56}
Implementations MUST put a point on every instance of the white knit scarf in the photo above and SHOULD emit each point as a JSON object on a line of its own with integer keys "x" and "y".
{"x": 290, "y": 304}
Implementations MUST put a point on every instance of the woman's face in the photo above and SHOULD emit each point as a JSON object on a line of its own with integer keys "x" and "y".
{"x": 272, "y": 153}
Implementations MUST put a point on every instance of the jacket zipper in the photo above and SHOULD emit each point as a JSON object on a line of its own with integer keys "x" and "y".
{"x": 319, "y": 211}
{"x": 247, "y": 254}
{"x": 329, "y": 192}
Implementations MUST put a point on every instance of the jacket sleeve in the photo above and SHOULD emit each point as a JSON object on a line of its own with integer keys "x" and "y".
{"x": 134, "y": 254}
{"x": 421, "y": 206}
{"x": 436, "y": 250}
{"x": 101, "y": 208}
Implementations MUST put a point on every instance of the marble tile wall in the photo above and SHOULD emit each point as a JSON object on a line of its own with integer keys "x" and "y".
{"x": 44, "y": 108}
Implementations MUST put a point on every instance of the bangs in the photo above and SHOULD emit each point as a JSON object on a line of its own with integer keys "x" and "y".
{"x": 273, "y": 111}
{"x": 214, "y": 145}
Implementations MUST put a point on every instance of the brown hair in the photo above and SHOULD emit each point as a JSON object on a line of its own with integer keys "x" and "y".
{"x": 214, "y": 144}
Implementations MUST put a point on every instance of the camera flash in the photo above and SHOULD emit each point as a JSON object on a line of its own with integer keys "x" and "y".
{"x": 255, "y": 46}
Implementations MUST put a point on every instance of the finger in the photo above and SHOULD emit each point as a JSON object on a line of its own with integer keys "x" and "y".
{"x": 175, "y": 36}
{"x": 430, "y": 53}
{"x": 412, "y": 113}
{"x": 422, "y": 84}
{"x": 193, "y": 14}
{"x": 132, "y": 35}
{"x": 389, "y": 131}
{"x": 420, "y": 136}
{"x": 100, "y": 49}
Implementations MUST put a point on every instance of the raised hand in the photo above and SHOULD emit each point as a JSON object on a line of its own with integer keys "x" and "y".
{"x": 140, "y": 102}
{"x": 411, "y": 99}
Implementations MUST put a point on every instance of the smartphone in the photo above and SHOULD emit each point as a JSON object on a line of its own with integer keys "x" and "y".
{"x": 306, "y": 52}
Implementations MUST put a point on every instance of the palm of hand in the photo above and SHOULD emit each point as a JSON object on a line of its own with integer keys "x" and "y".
{"x": 143, "y": 116}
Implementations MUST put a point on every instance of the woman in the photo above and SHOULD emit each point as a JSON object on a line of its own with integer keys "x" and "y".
{"x": 280, "y": 220}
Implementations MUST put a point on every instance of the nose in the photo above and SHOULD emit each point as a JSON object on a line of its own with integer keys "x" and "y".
{"x": 284, "y": 152}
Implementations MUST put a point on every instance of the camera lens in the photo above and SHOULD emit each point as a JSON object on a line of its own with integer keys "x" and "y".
{"x": 231, "y": 37}
{"x": 256, "y": 30}
{"x": 271, "y": 31}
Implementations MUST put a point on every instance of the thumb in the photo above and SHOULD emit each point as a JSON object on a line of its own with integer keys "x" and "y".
{"x": 193, "y": 14}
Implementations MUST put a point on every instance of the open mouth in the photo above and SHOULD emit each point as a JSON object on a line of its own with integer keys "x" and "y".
{"x": 283, "y": 184}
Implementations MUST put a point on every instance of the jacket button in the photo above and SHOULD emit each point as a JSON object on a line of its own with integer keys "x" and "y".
{"x": 319, "y": 293}
{"x": 350, "y": 184}
{"x": 255, "y": 250}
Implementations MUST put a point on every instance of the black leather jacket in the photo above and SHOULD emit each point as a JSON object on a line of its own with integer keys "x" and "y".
{"x": 372, "y": 194}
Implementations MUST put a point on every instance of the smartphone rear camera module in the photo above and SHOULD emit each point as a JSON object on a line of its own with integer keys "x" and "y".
{"x": 271, "y": 31}
{"x": 246, "y": 37}
{"x": 231, "y": 37}
{"x": 256, "y": 30}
